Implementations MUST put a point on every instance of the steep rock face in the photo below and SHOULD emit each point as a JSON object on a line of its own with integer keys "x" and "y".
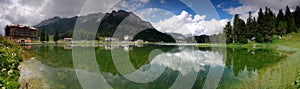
{"x": 115, "y": 24}
{"x": 121, "y": 23}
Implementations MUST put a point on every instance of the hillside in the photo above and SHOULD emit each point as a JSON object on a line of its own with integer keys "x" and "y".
{"x": 127, "y": 23}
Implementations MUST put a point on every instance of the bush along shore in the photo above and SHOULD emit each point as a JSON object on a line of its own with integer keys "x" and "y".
{"x": 10, "y": 58}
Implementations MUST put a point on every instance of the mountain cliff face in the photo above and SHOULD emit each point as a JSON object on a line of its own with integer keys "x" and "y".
{"x": 115, "y": 24}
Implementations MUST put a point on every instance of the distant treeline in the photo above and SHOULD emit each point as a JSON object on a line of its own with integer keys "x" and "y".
{"x": 264, "y": 27}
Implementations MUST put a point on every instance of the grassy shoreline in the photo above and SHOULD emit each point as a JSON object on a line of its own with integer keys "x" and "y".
{"x": 283, "y": 75}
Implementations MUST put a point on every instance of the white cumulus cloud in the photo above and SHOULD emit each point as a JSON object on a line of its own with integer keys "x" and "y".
{"x": 189, "y": 25}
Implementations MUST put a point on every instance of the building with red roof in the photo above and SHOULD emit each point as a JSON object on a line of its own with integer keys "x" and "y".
{"x": 21, "y": 34}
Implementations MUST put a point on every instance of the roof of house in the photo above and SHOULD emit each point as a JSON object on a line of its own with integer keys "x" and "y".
{"x": 22, "y": 27}
{"x": 67, "y": 38}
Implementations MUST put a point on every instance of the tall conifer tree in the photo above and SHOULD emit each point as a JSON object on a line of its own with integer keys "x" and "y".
{"x": 259, "y": 32}
{"x": 42, "y": 36}
{"x": 251, "y": 28}
{"x": 56, "y": 37}
{"x": 229, "y": 32}
{"x": 297, "y": 16}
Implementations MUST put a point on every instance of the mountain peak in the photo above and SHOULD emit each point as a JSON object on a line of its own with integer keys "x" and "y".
{"x": 108, "y": 25}
{"x": 48, "y": 21}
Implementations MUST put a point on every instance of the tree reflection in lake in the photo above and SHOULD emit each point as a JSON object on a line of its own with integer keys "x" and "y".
{"x": 242, "y": 59}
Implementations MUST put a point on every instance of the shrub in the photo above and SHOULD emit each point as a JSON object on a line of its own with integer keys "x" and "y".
{"x": 10, "y": 58}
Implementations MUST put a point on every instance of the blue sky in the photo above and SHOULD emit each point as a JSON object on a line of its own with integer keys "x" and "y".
{"x": 176, "y": 7}
{"x": 220, "y": 5}
{"x": 224, "y": 8}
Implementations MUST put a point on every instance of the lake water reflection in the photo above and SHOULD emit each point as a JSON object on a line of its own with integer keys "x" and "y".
{"x": 53, "y": 67}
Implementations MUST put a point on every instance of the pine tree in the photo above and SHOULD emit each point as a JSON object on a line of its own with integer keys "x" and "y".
{"x": 47, "y": 37}
{"x": 260, "y": 21}
{"x": 242, "y": 35}
{"x": 42, "y": 36}
{"x": 269, "y": 25}
{"x": 297, "y": 16}
{"x": 288, "y": 13}
{"x": 282, "y": 28}
{"x": 260, "y": 16}
{"x": 266, "y": 25}
{"x": 280, "y": 18}
{"x": 239, "y": 28}
{"x": 7, "y": 31}
{"x": 235, "y": 27}
{"x": 251, "y": 28}
{"x": 290, "y": 20}
{"x": 97, "y": 37}
{"x": 56, "y": 37}
{"x": 254, "y": 31}
{"x": 229, "y": 32}
{"x": 292, "y": 27}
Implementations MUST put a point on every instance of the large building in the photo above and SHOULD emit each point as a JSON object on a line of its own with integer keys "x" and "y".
{"x": 21, "y": 34}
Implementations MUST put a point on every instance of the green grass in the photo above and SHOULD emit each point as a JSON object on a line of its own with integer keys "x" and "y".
{"x": 291, "y": 40}
{"x": 251, "y": 45}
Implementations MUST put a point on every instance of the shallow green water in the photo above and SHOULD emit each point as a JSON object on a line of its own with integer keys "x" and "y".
{"x": 53, "y": 66}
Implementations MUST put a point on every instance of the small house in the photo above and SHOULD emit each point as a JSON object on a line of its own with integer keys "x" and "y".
{"x": 68, "y": 39}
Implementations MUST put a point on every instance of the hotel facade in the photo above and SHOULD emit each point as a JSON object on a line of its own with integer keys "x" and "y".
{"x": 21, "y": 34}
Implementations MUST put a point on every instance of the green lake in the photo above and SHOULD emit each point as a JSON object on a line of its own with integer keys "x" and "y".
{"x": 144, "y": 66}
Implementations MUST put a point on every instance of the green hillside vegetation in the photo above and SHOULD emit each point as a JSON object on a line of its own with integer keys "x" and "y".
{"x": 265, "y": 29}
